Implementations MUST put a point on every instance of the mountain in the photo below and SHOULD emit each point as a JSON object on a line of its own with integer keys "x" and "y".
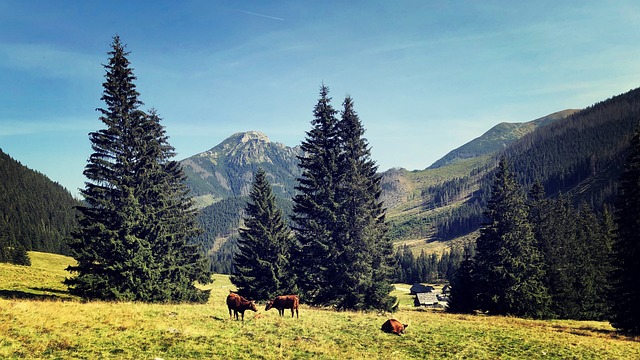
{"x": 580, "y": 155}
{"x": 497, "y": 138}
{"x": 575, "y": 152}
{"x": 35, "y": 212}
{"x": 227, "y": 169}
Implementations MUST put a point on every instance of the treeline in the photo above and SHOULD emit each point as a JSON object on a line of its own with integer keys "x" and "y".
{"x": 35, "y": 213}
{"x": 537, "y": 257}
{"x": 428, "y": 268}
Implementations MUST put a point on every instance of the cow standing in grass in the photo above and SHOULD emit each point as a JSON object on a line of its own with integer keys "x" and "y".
{"x": 284, "y": 302}
{"x": 393, "y": 326}
{"x": 237, "y": 303}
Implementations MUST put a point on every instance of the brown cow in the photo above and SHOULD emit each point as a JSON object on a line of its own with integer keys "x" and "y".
{"x": 393, "y": 326}
{"x": 284, "y": 302}
{"x": 237, "y": 303}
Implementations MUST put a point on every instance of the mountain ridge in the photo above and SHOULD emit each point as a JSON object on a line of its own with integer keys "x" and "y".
{"x": 498, "y": 136}
{"x": 227, "y": 169}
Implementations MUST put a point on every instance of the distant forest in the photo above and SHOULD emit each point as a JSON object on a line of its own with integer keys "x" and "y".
{"x": 580, "y": 156}
{"x": 35, "y": 213}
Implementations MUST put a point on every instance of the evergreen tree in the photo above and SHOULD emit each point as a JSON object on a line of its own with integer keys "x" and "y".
{"x": 262, "y": 262}
{"x": 593, "y": 262}
{"x": 171, "y": 220}
{"x": 626, "y": 299}
{"x": 463, "y": 299}
{"x": 136, "y": 220}
{"x": 364, "y": 254}
{"x": 315, "y": 206}
{"x": 344, "y": 257}
{"x": 508, "y": 266}
{"x": 554, "y": 226}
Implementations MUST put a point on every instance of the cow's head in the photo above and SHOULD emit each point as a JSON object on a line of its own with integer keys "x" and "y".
{"x": 269, "y": 305}
{"x": 252, "y": 306}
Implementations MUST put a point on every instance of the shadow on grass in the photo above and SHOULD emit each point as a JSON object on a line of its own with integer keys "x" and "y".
{"x": 24, "y": 295}
{"x": 590, "y": 331}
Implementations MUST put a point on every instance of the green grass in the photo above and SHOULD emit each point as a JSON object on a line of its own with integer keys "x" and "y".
{"x": 55, "y": 326}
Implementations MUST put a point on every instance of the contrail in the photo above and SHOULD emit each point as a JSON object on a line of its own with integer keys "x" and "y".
{"x": 262, "y": 15}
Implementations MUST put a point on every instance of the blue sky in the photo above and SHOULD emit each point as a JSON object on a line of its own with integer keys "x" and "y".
{"x": 426, "y": 76}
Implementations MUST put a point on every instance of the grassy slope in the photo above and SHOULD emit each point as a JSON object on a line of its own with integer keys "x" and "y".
{"x": 420, "y": 180}
{"x": 72, "y": 329}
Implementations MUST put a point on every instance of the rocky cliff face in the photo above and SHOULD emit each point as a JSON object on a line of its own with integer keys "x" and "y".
{"x": 227, "y": 169}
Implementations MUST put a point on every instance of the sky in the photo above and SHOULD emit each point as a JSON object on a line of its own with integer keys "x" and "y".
{"x": 426, "y": 76}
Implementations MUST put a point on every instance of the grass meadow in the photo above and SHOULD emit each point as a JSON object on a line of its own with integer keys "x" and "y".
{"x": 40, "y": 320}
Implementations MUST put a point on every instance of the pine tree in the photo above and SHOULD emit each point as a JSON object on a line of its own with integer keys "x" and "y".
{"x": 315, "y": 206}
{"x": 136, "y": 220}
{"x": 508, "y": 266}
{"x": 171, "y": 221}
{"x": 344, "y": 257}
{"x": 262, "y": 262}
{"x": 364, "y": 260}
{"x": 626, "y": 282}
{"x": 554, "y": 226}
{"x": 463, "y": 299}
{"x": 593, "y": 262}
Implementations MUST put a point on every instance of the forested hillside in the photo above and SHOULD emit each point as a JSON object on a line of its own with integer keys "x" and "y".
{"x": 34, "y": 211}
{"x": 497, "y": 138}
{"x": 580, "y": 156}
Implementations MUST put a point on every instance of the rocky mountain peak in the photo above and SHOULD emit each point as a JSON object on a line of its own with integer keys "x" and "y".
{"x": 247, "y": 136}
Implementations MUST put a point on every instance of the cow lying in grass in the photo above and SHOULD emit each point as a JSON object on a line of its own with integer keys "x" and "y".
{"x": 284, "y": 302}
{"x": 393, "y": 326}
{"x": 237, "y": 303}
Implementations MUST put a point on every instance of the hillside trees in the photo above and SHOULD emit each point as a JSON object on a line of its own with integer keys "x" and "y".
{"x": 262, "y": 261}
{"x": 508, "y": 267}
{"x": 626, "y": 308}
{"x": 463, "y": 296}
{"x": 36, "y": 214}
{"x": 135, "y": 225}
{"x": 344, "y": 257}
{"x": 569, "y": 259}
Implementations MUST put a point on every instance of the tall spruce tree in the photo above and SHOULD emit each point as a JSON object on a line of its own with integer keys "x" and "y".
{"x": 344, "y": 258}
{"x": 593, "y": 262}
{"x": 315, "y": 206}
{"x": 136, "y": 220}
{"x": 554, "y": 226}
{"x": 508, "y": 266}
{"x": 262, "y": 262}
{"x": 463, "y": 297}
{"x": 626, "y": 279}
{"x": 364, "y": 254}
